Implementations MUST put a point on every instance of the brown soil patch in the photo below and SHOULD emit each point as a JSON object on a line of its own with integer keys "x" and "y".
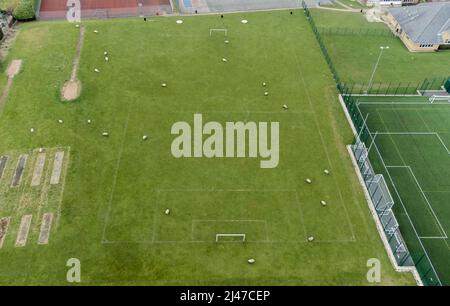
{"x": 72, "y": 88}
{"x": 38, "y": 170}
{"x": 45, "y": 228}
{"x": 4, "y": 222}
{"x": 19, "y": 170}
{"x": 22, "y": 235}
{"x": 14, "y": 68}
{"x": 57, "y": 166}
{"x": 11, "y": 72}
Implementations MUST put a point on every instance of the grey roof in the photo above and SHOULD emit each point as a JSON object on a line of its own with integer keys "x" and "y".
{"x": 423, "y": 23}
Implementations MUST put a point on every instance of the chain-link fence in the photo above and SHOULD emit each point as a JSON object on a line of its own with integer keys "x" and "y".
{"x": 219, "y": 6}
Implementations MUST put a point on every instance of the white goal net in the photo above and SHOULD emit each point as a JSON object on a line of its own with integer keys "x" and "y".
{"x": 240, "y": 237}
{"x": 212, "y": 31}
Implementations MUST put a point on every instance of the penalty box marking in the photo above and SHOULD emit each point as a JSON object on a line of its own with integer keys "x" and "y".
{"x": 441, "y": 229}
{"x": 196, "y": 221}
{"x": 153, "y": 241}
{"x": 297, "y": 202}
{"x": 104, "y": 240}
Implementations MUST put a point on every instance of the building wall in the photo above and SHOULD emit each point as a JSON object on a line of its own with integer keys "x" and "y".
{"x": 413, "y": 47}
{"x": 388, "y": 2}
{"x": 446, "y": 36}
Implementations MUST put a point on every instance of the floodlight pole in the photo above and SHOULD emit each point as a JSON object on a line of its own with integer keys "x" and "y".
{"x": 376, "y": 66}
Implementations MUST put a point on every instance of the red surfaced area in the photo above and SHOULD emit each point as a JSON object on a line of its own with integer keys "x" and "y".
{"x": 61, "y": 5}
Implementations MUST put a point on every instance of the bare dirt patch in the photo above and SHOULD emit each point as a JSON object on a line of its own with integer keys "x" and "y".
{"x": 57, "y": 166}
{"x": 3, "y": 161}
{"x": 4, "y": 222}
{"x": 45, "y": 228}
{"x": 11, "y": 72}
{"x": 14, "y": 68}
{"x": 22, "y": 235}
{"x": 19, "y": 170}
{"x": 38, "y": 170}
{"x": 72, "y": 88}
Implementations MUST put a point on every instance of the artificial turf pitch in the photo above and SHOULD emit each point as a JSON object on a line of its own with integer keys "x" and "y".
{"x": 118, "y": 187}
{"x": 412, "y": 141}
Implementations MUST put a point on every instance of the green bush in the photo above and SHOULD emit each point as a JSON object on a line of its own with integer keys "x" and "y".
{"x": 24, "y": 10}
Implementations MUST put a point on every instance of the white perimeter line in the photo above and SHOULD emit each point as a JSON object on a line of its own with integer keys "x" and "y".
{"x": 322, "y": 140}
{"x": 115, "y": 177}
{"x": 401, "y": 103}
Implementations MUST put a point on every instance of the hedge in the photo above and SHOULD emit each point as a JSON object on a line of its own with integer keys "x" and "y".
{"x": 24, "y": 10}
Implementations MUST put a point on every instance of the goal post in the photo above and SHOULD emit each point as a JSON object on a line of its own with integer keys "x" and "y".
{"x": 434, "y": 98}
{"x": 241, "y": 236}
{"x": 224, "y": 31}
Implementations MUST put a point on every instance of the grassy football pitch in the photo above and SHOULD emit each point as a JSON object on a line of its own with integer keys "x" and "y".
{"x": 109, "y": 208}
{"x": 354, "y": 54}
{"x": 412, "y": 141}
